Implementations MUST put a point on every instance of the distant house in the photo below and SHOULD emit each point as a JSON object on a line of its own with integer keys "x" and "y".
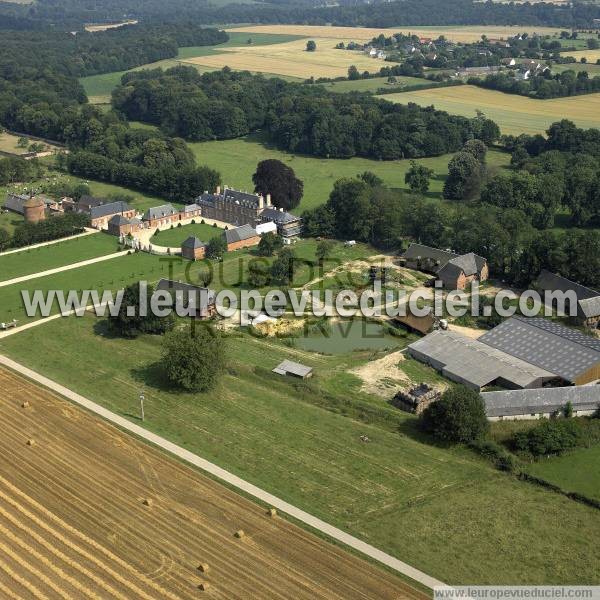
{"x": 193, "y": 248}
{"x": 508, "y": 62}
{"x": 543, "y": 402}
{"x": 294, "y": 369}
{"x": 202, "y": 300}
{"x": 241, "y": 237}
{"x": 453, "y": 270}
{"x": 588, "y": 300}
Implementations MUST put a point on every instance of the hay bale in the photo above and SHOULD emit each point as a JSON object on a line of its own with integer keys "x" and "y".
{"x": 204, "y": 586}
{"x": 240, "y": 534}
{"x": 25, "y": 404}
{"x": 272, "y": 512}
{"x": 147, "y": 502}
{"x": 203, "y": 567}
{"x": 30, "y": 442}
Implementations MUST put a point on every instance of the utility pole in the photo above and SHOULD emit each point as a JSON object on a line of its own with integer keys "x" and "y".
{"x": 142, "y": 398}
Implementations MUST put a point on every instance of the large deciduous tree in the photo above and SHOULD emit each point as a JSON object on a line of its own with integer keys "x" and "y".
{"x": 275, "y": 178}
{"x": 193, "y": 357}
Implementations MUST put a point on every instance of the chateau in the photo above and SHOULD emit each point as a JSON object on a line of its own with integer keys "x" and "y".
{"x": 243, "y": 208}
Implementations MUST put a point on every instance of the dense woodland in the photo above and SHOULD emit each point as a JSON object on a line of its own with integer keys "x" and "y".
{"x": 298, "y": 118}
{"x": 71, "y": 13}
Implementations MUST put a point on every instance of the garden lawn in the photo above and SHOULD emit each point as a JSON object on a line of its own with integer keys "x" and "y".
{"x": 119, "y": 272}
{"x": 9, "y": 221}
{"x": 443, "y": 511}
{"x": 374, "y": 84}
{"x": 575, "y": 471}
{"x": 43, "y": 258}
{"x": 236, "y": 160}
{"x": 176, "y": 236}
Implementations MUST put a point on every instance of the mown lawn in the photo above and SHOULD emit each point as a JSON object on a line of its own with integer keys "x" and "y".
{"x": 9, "y": 221}
{"x": 119, "y": 272}
{"x": 36, "y": 260}
{"x": 174, "y": 237}
{"x": 236, "y": 160}
{"x": 576, "y": 471}
{"x": 372, "y": 85}
{"x": 441, "y": 510}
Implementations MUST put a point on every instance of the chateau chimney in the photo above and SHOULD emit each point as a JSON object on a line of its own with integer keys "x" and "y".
{"x": 261, "y": 201}
{"x": 218, "y": 190}
{"x": 281, "y": 209}
{"x": 268, "y": 199}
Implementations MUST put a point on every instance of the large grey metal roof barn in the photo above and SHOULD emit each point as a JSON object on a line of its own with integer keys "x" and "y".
{"x": 474, "y": 364}
{"x": 568, "y": 353}
{"x": 289, "y": 367}
{"x": 541, "y": 402}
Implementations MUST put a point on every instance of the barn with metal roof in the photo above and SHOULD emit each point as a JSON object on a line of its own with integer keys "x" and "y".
{"x": 533, "y": 404}
{"x": 476, "y": 365}
{"x": 570, "y": 354}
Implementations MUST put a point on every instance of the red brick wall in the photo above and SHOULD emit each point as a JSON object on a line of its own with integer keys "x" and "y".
{"x": 253, "y": 241}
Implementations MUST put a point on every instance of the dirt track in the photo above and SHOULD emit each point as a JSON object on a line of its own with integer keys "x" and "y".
{"x": 73, "y": 523}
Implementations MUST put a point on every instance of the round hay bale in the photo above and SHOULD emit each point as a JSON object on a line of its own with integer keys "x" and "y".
{"x": 272, "y": 512}
{"x": 203, "y": 567}
{"x": 147, "y": 502}
{"x": 30, "y": 442}
{"x": 204, "y": 586}
{"x": 240, "y": 534}
{"x": 25, "y": 404}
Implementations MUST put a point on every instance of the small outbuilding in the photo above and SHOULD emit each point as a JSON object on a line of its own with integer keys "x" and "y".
{"x": 193, "y": 248}
{"x": 294, "y": 369}
{"x": 241, "y": 237}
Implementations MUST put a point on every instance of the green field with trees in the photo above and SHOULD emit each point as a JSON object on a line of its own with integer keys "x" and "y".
{"x": 441, "y": 508}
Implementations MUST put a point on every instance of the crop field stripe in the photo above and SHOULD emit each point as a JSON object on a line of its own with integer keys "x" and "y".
{"x": 228, "y": 477}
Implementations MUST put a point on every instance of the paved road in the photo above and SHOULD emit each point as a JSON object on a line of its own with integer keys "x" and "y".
{"x": 228, "y": 477}
{"x": 65, "y": 239}
{"x": 82, "y": 263}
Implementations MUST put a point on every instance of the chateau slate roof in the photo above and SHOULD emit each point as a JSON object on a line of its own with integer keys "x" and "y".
{"x": 278, "y": 216}
{"x": 157, "y": 212}
{"x": 241, "y": 197}
{"x": 119, "y": 220}
{"x": 112, "y": 208}
{"x": 15, "y": 202}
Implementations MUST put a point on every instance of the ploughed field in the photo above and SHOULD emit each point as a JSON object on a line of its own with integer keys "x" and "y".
{"x": 74, "y": 523}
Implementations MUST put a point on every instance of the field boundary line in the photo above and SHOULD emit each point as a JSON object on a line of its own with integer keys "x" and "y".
{"x": 227, "y": 477}
{"x": 77, "y": 265}
{"x": 50, "y": 242}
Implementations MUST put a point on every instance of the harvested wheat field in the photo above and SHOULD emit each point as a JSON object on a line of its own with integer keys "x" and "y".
{"x": 514, "y": 114}
{"x": 467, "y": 33}
{"x": 88, "y": 512}
{"x": 291, "y": 59}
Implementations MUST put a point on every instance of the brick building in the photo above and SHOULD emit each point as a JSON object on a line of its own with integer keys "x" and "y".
{"x": 242, "y": 208}
{"x": 160, "y": 216}
{"x": 193, "y": 249}
{"x": 120, "y": 225}
{"x": 100, "y": 215}
{"x": 241, "y": 237}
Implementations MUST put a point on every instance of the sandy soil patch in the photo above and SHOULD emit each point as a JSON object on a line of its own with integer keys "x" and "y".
{"x": 382, "y": 377}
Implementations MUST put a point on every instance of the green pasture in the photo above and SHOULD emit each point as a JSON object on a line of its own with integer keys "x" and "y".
{"x": 236, "y": 160}
{"x": 67, "y": 252}
{"x": 374, "y": 84}
{"x": 442, "y": 510}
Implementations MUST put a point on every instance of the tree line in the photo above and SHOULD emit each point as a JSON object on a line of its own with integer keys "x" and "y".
{"x": 544, "y": 86}
{"x": 73, "y": 13}
{"x": 296, "y": 117}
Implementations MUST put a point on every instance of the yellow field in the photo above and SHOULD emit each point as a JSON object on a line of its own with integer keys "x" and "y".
{"x": 456, "y": 33}
{"x": 591, "y": 55}
{"x": 514, "y": 114}
{"x": 291, "y": 58}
